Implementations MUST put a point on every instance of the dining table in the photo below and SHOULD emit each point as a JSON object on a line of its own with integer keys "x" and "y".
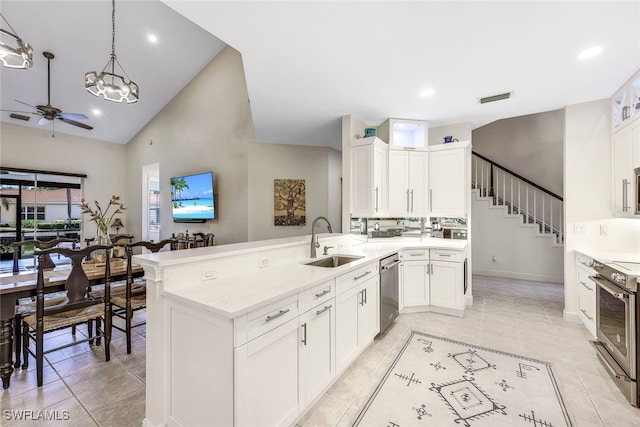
{"x": 14, "y": 286}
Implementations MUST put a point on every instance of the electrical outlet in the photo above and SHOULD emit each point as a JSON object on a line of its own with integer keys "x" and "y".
{"x": 604, "y": 230}
{"x": 264, "y": 262}
{"x": 209, "y": 275}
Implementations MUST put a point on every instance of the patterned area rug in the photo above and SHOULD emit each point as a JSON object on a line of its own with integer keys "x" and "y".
{"x": 440, "y": 382}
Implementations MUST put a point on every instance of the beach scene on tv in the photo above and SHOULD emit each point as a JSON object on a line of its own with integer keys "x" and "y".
{"x": 192, "y": 197}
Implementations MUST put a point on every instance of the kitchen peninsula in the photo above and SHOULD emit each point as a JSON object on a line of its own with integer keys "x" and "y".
{"x": 248, "y": 333}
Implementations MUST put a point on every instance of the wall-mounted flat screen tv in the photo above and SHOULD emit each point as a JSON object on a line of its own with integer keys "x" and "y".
{"x": 192, "y": 198}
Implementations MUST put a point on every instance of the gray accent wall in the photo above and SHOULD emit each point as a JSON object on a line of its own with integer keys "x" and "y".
{"x": 206, "y": 127}
{"x": 531, "y": 146}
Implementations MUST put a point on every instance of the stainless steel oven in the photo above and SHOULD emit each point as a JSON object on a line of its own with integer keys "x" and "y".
{"x": 617, "y": 325}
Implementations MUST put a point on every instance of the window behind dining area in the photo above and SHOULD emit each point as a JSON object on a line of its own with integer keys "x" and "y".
{"x": 37, "y": 205}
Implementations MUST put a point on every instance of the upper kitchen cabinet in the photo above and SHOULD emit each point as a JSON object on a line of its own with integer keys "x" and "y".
{"x": 449, "y": 179}
{"x": 404, "y": 134}
{"x": 626, "y": 157}
{"x": 408, "y": 183}
{"x": 368, "y": 177}
{"x": 625, "y": 103}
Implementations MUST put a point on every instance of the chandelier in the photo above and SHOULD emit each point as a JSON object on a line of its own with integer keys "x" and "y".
{"x": 14, "y": 53}
{"x": 107, "y": 84}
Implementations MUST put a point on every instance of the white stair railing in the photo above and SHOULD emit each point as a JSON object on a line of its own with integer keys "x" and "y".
{"x": 534, "y": 204}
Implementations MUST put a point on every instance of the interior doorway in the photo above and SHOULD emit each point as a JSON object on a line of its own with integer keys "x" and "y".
{"x": 151, "y": 202}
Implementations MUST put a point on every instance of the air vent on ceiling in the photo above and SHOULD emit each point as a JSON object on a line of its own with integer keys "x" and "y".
{"x": 494, "y": 98}
{"x": 19, "y": 117}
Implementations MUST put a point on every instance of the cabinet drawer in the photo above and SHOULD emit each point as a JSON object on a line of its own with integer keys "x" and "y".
{"x": 446, "y": 255}
{"x": 585, "y": 284}
{"x": 355, "y": 277}
{"x": 316, "y": 295}
{"x": 415, "y": 255}
{"x": 263, "y": 320}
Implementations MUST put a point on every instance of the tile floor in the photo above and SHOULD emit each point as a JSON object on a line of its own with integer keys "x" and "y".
{"x": 512, "y": 315}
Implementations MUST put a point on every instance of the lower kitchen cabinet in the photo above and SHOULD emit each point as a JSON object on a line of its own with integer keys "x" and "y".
{"x": 266, "y": 371}
{"x": 586, "y": 292}
{"x": 432, "y": 280}
{"x": 446, "y": 285}
{"x": 317, "y": 351}
{"x": 415, "y": 283}
{"x": 357, "y": 314}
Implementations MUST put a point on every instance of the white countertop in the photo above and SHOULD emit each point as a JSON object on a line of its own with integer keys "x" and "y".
{"x": 629, "y": 260}
{"x": 235, "y": 296}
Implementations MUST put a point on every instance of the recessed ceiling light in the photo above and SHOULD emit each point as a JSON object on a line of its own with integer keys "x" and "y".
{"x": 96, "y": 112}
{"x": 590, "y": 53}
{"x": 427, "y": 92}
{"x": 152, "y": 38}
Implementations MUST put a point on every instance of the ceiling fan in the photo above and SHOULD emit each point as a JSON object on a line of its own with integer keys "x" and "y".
{"x": 48, "y": 112}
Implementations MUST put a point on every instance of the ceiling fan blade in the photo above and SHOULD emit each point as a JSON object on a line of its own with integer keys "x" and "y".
{"x": 73, "y": 116}
{"x": 43, "y": 121}
{"x": 74, "y": 123}
{"x": 24, "y": 103}
{"x": 21, "y": 112}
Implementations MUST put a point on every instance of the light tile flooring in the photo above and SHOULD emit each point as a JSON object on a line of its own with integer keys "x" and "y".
{"x": 511, "y": 315}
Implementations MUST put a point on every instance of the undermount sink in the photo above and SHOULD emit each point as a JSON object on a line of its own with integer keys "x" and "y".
{"x": 335, "y": 261}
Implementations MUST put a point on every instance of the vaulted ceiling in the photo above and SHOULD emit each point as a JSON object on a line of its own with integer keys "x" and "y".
{"x": 308, "y": 63}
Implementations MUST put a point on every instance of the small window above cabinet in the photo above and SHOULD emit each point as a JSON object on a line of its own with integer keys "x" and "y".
{"x": 625, "y": 103}
{"x": 404, "y": 134}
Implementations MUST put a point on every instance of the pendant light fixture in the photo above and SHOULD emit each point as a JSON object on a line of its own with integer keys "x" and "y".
{"x": 14, "y": 53}
{"x": 107, "y": 84}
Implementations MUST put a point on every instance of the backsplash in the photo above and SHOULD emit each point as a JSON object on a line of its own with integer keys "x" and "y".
{"x": 367, "y": 229}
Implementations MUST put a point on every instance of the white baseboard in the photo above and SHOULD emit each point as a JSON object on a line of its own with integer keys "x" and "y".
{"x": 521, "y": 276}
{"x": 571, "y": 316}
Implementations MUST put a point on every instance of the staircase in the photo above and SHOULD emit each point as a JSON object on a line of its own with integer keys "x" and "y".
{"x": 534, "y": 206}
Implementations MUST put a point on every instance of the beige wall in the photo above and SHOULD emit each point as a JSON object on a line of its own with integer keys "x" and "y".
{"x": 316, "y": 165}
{"x": 103, "y": 162}
{"x": 206, "y": 127}
{"x": 529, "y": 145}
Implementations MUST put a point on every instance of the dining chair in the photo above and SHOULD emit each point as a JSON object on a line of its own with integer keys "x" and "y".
{"x": 202, "y": 239}
{"x": 135, "y": 296}
{"x": 118, "y": 241}
{"x": 23, "y": 308}
{"x": 39, "y": 244}
{"x": 76, "y": 307}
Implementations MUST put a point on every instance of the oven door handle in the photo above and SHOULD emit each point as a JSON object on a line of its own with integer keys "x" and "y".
{"x": 607, "y": 287}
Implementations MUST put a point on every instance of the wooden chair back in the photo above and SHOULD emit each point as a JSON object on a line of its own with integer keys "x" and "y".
{"x": 77, "y": 284}
{"x": 151, "y": 246}
{"x": 39, "y": 244}
{"x": 202, "y": 239}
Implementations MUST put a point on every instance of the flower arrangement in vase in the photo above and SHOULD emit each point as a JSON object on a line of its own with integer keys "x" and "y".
{"x": 102, "y": 217}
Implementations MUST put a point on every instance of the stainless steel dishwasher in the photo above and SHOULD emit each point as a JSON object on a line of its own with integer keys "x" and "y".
{"x": 389, "y": 291}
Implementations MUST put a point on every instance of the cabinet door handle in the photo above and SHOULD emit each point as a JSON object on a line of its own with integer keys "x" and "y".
{"x": 585, "y": 314}
{"x": 304, "y": 339}
{"x": 364, "y": 296}
{"x": 585, "y": 285}
{"x": 407, "y": 200}
{"x": 275, "y": 316}
{"x": 326, "y": 307}
{"x": 376, "y": 199}
{"x": 361, "y": 276}
{"x": 411, "y": 200}
{"x": 444, "y": 255}
{"x": 361, "y": 297}
{"x": 414, "y": 254}
{"x": 323, "y": 293}
{"x": 625, "y": 194}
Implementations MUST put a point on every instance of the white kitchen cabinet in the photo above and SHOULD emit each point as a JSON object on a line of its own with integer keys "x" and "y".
{"x": 623, "y": 174}
{"x": 586, "y": 292}
{"x": 266, "y": 370}
{"x": 357, "y": 314}
{"x": 446, "y": 285}
{"x": 449, "y": 179}
{"x": 625, "y": 103}
{"x": 415, "y": 278}
{"x": 368, "y": 177}
{"x": 408, "y": 183}
{"x": 317, "y": 350}
{"x": 432, "y": 280}
{"x": 403, "y": 134}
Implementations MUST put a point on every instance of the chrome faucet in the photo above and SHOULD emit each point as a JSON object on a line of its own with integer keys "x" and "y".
{"x": 314, "y": 238}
